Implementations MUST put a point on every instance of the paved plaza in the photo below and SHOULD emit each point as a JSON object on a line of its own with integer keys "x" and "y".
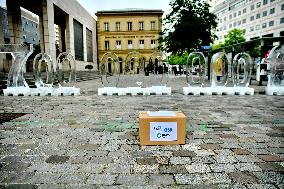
{"x": 92, "y": 141}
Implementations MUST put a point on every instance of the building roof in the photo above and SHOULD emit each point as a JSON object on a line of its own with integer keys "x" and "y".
{"x": 129, "y": 11}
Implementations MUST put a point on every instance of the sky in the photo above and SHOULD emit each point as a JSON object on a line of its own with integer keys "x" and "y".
{"x": 96, "y": 5}
{"x": 93, "y": 6}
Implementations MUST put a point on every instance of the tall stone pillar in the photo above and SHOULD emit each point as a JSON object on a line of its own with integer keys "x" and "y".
{"x": 1, "y": 42}
{"x": 48, "y": 29}
{"x": 15, "y": 22}
{"x": 85, "y": 42}
{"x": 70, "y": 35}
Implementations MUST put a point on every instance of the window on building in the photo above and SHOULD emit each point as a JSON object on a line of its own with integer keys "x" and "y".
{"x": 153, "y": 43}
{"x": 271, "y": 23}
{"x": 78, "y": 40}
{"x": 265, "y": 2}
{"x": 118, "y": 44}
{"x": 244, "y": 31}
{"x": 244, "y": 21}
{"x": 230, "y": 25}
{"x": 258, "y": 4}
{"x": 106, "y": 45}
{"x": 141, "y": 44}
{"x": 264, "y": 13}
{"x": 141, "y": 26}
{"x": 239, "y": 23}
{"x": 251, "y": 18}
{"x": 130, "y": 46}
{"x": 252, "y": 7}
{"x": 257, "y": 16}
{"x": 264, "y": 25}
{"x": 235, "y": 14}
{"x": 129, "y": 26}
{"x": 225, "y": 19}
{"x": 282, "y": 20}
{"x": 282, "y": 7}
{"x": 235, "y": 24}
{"x": 244, "y": 11}
{"x": 106, "y": 25}
{"x": 272, "y": 1}
{"x": 153, "y": 25}
{"x": 251, "y": 28}
{"x": 257, "y": 27}
{"x": 117, "y": 26}
{"x": 239, "y": 13}
{"x": 272, "y": 11}
{"x": 230, "y": 17}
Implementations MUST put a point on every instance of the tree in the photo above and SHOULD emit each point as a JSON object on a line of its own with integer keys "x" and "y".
{"x": 187, "y": 27}
{"x": 178, "y": 59}
{"x": 234, "y": 36}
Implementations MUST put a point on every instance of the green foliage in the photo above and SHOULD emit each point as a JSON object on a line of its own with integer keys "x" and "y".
{"x": 217, "y": 46}
{"x": 187, "y": 27}
{"x": 234, "y": 36}
{"x": 175, "y": 59}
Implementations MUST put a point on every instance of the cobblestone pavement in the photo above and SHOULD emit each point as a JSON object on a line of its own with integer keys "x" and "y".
{"x": 92, "y": 141}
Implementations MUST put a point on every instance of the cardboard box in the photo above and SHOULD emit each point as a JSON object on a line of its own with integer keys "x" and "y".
{"x": 162, "y": 128}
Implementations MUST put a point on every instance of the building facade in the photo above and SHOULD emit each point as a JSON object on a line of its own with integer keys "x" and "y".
{"x": 258, "y": 18}
{"x": 124, "y": 31}
{"x": 62, "y": 26}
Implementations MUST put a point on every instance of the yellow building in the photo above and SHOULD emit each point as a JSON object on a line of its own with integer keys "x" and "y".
{"x": 128, "y": 30}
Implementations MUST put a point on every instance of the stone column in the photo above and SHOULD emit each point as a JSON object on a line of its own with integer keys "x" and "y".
{"x": 70, "y": 35}
{"x": 1, "y": 42}
{"x": 15, "y": 22}
{"x": 85, "y": 42}
{"x": 48, "y": 29}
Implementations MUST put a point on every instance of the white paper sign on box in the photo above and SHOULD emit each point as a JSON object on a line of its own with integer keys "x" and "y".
{"x": 163, "y": 131}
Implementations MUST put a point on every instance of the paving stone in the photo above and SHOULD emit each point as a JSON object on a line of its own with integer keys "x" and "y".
{"x": 190, "y": 179}
{"x": 117, "y": 168}
{"x": 43, "y": 178}
{"x": 225, "y": 159}
{"x": 180, "y": 160}
{"x": 163, "y": 160}
{"x": 146, "y": 168}
{"x": 16, "y": 166}
{"x": 19, "y": 177}
{"x": 248, "y": 158}
{"x": 270, "y": 158}
{"x": 146, "y": 161}
{"x": 239, "y": 151}
{"x": 55, "y": 159}
{"x": 261, "y": 186}
{"x": 173, "y": 169}
{"x": 91, "y": 168}
{"x": 269, "y": 177}
{"x": 161, "y": 180}
{"x": 53, "y": 186}
{"x": 276, "y": 150}
{"x": 197, "y": 168}
{"x": 268, "y": 166}
{"x": 72, "y": 178}
{"x": 204, "y": 159}
{"x": 216, "y": 178}
{"x": 243, "y": 178}
{"x": 21, "y": 186}
{"x": 259, "y": 151}
{"x": 247, "y": 167}
{"x": 210, "y": 146}
{"x": 184, "y": 153}
{"x": 228, "y": 136}
{"x": 101, "y": 179}
{"x": 218, "y": 168}
{"x": 141, "y": 153}
{"x": 131, "y": 180}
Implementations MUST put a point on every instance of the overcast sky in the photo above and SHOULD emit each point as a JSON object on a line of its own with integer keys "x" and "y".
{"x": 96, "y": 5}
